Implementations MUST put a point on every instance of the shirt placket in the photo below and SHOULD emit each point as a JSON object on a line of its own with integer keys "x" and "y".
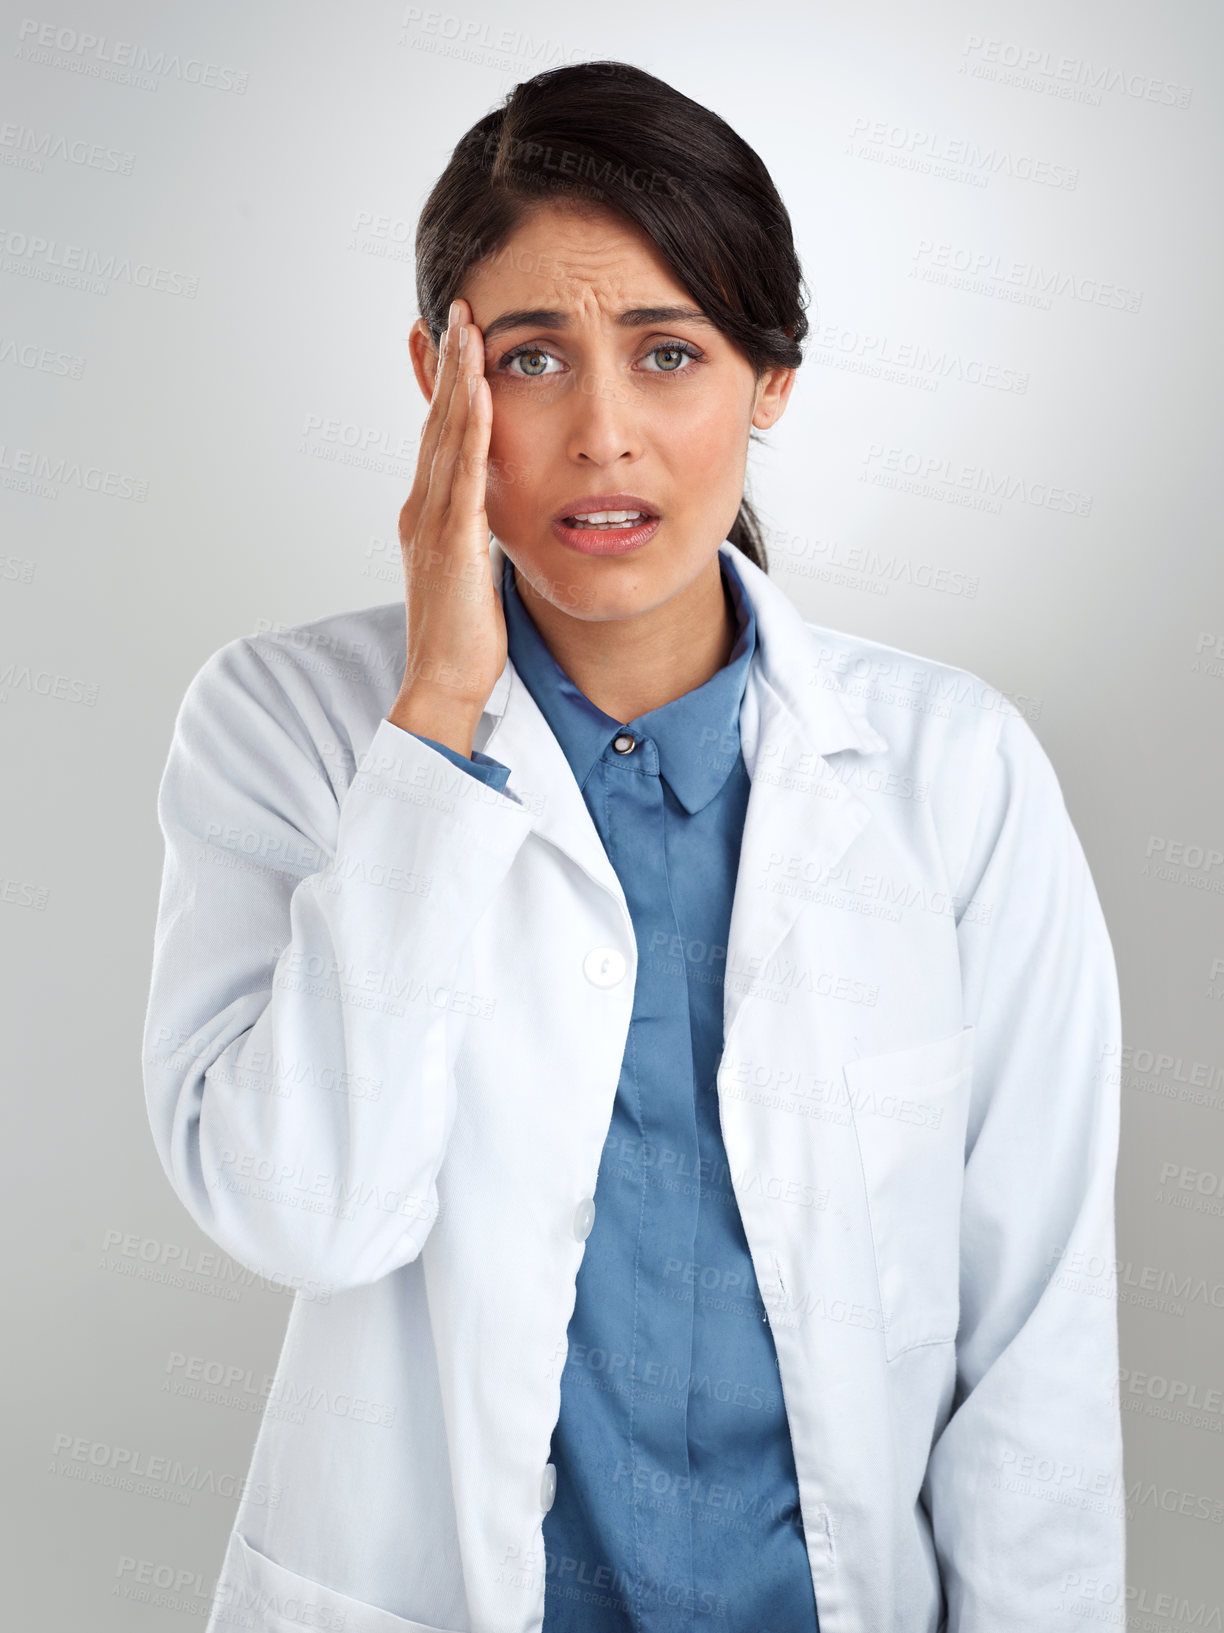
{"x": 647, "y": 1195}
{"x": 662, "y": 1095}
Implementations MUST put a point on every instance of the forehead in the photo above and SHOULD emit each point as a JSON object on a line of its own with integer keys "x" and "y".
{"x": 570, "y": 258}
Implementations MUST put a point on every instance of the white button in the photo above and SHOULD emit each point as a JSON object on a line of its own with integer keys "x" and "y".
{"x": 604, "y": 966}
{"x": 548, "y": 1487}
{"x": 584, "y": 1218}
{"x": 624, "y": 743}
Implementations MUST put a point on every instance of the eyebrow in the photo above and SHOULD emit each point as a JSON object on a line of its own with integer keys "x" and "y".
{"x": 635, "y": 317}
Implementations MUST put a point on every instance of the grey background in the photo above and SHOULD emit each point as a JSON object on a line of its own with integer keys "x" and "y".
{"x": 232, "y": 412}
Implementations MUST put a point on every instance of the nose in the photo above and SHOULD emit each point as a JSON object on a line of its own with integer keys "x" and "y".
{"x": 603, "y": 422}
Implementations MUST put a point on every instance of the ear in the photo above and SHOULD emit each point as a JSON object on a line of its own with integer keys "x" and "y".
{"x": 424, "y": 356}
{"x": 772, "y": 394}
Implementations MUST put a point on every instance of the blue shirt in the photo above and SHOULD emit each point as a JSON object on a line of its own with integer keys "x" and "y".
{"x": 676, "y": 1503}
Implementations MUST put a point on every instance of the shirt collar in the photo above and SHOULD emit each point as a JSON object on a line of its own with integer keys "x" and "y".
{"x": 697, "y": 735}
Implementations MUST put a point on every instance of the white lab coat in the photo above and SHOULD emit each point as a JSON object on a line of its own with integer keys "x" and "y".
{"x": 385, "y": 1029}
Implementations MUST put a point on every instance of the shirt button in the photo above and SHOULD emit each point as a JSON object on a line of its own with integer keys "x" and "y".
{"x": 604, "y": 966}
{"x": 624, "y": 743}
{"x": 584, "y": 1218}
{"x": 548, "y": 1487}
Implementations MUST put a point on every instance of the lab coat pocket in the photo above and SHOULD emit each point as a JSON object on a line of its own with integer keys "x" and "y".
{"x": 910, "y": 1108}
{"x": 256, "y": 1592}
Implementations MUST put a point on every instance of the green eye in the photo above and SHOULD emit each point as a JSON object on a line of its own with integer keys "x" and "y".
{"x": 532, "y": 356}
{"x": 678, "y": 350}
{"x": 535, "y": 359}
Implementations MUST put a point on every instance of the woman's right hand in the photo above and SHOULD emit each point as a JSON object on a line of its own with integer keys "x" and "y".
{"x": 455, "y": 625}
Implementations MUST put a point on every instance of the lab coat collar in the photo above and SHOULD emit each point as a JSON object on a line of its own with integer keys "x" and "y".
{"x": 684, "y": 732}
{"x": 787, "y": 659}
{"x": 793, "y": 714}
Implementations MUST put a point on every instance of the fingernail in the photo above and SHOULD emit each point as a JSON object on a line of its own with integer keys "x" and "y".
{"x": 452, "y": 316}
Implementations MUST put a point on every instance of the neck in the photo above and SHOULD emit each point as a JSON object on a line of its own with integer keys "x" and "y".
{"x": 628, "y": 666}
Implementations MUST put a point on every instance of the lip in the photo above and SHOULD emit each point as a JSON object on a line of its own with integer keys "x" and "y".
{"x": 604, "y": 501}
{"x": 614, "y": 541}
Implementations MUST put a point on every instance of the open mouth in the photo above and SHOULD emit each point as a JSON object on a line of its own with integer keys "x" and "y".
{"x": 607, "y": 524}
{"x": 605, "y": 521}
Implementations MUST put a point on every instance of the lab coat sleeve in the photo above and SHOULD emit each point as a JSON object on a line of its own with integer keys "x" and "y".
{"x": 1025, "y": 1483}
{"x": 295, "y": 1048}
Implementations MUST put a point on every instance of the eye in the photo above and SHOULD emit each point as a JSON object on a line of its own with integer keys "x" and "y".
{"x": 535, "y": 359}
{"x": 532, "y": 355}
{"x": 674, "y": 350}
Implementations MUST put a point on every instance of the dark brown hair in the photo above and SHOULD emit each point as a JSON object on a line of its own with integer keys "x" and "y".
{"x": 609, "y": 135}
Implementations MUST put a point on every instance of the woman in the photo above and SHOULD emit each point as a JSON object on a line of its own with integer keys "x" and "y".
{"x": 673, "y": 1075}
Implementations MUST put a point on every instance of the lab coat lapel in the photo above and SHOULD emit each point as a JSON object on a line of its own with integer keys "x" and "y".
{"x": 801, "y": 816}
{"x": 514, "y": 731}
{"x": 542, "y": 778}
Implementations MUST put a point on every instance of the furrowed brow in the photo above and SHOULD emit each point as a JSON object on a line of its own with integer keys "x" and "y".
{"x": 636, "y": 317}
{"x": 642, "y": 317}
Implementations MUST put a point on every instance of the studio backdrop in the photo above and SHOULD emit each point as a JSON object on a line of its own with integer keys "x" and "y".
{"x": 998, "y": 454}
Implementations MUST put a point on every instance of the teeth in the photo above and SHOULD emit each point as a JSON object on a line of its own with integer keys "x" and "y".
{"x": 607, "y": 518}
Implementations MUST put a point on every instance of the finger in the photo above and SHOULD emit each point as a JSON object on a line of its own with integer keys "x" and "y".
{"x": 414, "y": 505}
{"x": 474, "y": 356}
{"x": 442, "y": 471}
{"x": 470, "y": 366}
{"x": 444, "y": 375}
{"x": 448, "y": 362}
{"x": 472, "y": 465}
{"x": 430, "y": 495}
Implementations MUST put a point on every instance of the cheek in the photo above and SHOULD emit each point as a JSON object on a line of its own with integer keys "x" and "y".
{"x": 513, "y": 456}
{"x": 710, "y": 440}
